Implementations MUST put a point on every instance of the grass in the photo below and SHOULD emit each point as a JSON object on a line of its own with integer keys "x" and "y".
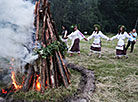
{"x": 116, "y": 79}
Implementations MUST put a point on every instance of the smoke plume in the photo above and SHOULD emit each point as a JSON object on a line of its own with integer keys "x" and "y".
{"x": 16, "y": 28}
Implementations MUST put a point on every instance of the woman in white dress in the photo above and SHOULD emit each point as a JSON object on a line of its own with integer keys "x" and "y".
{"x": 121, "y": 36}
{"x": 96, "y": 45}
{"x": 75, "y": 36}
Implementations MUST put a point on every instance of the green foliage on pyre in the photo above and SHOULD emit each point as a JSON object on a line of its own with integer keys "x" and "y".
{"x": 51, "y": 48}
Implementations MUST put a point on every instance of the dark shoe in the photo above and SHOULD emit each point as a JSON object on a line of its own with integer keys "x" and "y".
{"x": 118, "y": 57}
{"x": 126, "y": 57}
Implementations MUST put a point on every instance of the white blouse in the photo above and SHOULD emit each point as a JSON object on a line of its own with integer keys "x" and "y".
{"x": 75, "y": 35}
{"x": 97, "y": 37}
{"x": 121, "y": 38}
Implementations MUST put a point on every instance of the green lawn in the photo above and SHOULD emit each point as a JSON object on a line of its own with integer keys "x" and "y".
{"x": 116, "y": 79}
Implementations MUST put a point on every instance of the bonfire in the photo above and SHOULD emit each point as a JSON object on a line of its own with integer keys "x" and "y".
{"x": 48, "y": 69}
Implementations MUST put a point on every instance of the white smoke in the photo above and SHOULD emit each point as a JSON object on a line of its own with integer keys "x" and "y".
{"x": 16, "y": 27}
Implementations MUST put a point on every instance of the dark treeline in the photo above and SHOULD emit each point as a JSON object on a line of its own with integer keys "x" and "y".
{"x": 85, "y": 13}
{"x": 108, "y": 13}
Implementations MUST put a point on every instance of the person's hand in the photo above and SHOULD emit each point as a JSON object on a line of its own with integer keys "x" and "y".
{"x": 86, "y": 39}
{"x": 65, "y": 37}
{"x": 109, "y": 39}
{"x": 134, "y": 41}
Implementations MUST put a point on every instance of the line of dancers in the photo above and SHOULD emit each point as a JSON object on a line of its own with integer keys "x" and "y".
{"x": 76, "y": 36}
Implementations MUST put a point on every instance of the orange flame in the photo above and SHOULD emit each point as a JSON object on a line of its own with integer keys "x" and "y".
{"x": 14, "y": 81}
{"x": 13, "y": 77}
{"x": 38, "y": 85}
{"x": 3, "y": 91}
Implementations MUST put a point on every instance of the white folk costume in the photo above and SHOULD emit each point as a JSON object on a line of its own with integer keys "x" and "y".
{"x": 75, "y": 36}
{"x": 120, "y": 48}
{"x": 96, "y": 46}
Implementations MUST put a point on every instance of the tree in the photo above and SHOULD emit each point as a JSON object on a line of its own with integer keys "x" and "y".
{"x": 81, "y": 12}
{"x": 116, "y": 12}
{"x": 108, "y": 13}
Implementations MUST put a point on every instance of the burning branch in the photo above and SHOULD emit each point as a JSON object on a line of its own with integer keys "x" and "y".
{"x": 17, "y": 87}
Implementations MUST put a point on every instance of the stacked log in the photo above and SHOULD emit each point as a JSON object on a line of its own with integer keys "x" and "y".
{"x": 51, "y": 68}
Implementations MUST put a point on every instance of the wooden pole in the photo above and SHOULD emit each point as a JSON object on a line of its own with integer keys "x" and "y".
{"x": 43, "y": 75}
{"x": 29, "y": 81}
{"x": 61, "y": 71}
{"x": 37, "y": 22}
{"x": 52, "y": 72}
{"x": 56, "y": 72}
{"x": 47, "y": 76}
{"x": 67, "y": 72}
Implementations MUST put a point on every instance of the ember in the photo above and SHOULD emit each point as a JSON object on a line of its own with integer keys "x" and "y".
{"x": 3, "y": 91}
